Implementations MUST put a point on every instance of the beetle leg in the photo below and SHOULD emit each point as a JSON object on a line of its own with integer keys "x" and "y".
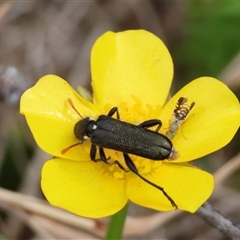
{"x": 112, "y": 111}
{"x": 130, "y": 163}
{"x": 133, "y": 168}
{"x": 104, "y": 159}
{"x": 103, "y": 156}
{"x": 120, "y": 165}
{"x": 151, "y": 123}
{"x": 93, "y": 152}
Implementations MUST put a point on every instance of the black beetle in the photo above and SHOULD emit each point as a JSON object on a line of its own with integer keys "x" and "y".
{"x": 107, "y": 132}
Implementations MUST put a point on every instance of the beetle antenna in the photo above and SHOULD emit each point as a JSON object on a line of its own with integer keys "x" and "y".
{"x": 74, "y": 108}
{"x": 69, "y": 147}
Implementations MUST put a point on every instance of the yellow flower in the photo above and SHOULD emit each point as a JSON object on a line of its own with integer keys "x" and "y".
{"x": 131, "y": 70}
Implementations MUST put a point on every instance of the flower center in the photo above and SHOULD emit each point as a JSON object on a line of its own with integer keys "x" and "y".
{"x": 135, "y": 114}
{"x": 143, "y": 165}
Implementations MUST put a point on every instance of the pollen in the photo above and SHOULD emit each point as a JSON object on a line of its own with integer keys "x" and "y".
{"x": 114, "y": 170}
{"x": 143, "y": 165}
{"x": 137, "y": 113}
{"x": 146, "y": 165}
{"x": 115, "y": 156}
{"x": 118, "y": 175}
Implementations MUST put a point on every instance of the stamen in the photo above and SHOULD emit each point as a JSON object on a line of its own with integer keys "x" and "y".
{"x": 72, "y": 105}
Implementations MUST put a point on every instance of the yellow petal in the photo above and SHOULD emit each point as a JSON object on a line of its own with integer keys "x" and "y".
{"x": 131, "y": 63}
{"x": 212, "y": 122}
{"x": 84, "y": 93}
{"x": 84, "y": 188}
{"x": 188, "y": 186}
{"x": 52, "y": 119}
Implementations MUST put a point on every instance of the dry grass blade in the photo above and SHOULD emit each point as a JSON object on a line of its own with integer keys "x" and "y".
{"x": 52, "y": 219}
{"x": 231, "y": 74}
{"x": 227, "y": 170}
{"x": 4, "y": 8}
{"x": 136, "y": 226}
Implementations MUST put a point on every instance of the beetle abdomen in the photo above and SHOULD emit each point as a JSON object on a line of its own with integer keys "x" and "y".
{"x": 125, "y": 137}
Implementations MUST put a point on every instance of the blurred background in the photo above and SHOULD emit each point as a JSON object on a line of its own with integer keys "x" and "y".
{"x": 41, "y": 37}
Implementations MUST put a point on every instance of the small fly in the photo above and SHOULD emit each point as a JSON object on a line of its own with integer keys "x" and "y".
{"x": 180, "y": 113}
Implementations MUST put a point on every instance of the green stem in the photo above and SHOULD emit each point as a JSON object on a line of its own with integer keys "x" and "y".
{"x": 116, "y": 225}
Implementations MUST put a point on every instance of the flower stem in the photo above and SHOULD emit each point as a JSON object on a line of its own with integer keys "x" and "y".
{"x": 116, "y": 224}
